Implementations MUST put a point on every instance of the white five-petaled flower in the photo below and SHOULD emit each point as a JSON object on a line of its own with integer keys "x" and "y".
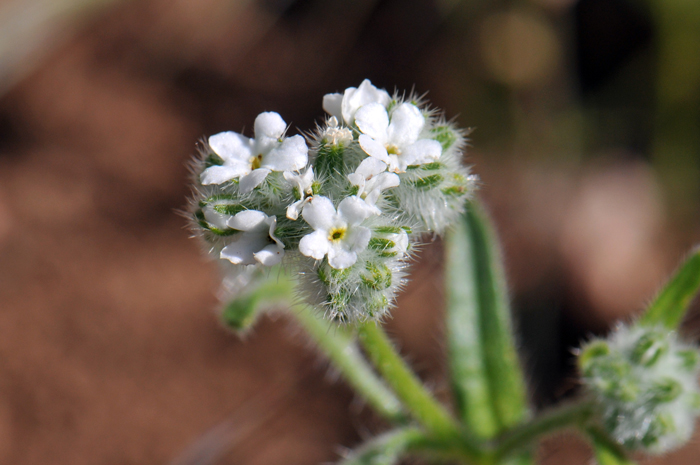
{"x": 336, "y": 234}
{"x": 395, "y": 142}
{"x": 256, "y": 243}
{"x": 343, "y": 106}
{"x": 303, "y": 183}
{"x": 371, "y": 178}
{"x": 252, "y": 160}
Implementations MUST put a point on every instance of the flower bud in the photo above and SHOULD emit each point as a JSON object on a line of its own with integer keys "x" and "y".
{"x": 644, "y": 382}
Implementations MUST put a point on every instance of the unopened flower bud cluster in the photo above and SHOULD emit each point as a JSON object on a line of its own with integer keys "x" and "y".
{"x": 645, "y": 383}
{"x": 343, "y": 206}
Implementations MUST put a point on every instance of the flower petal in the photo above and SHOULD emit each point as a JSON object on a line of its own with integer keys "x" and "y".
{"x": 319, "y": 213}
{"x": 219, "y": 174}
{"x": 374, "y": 149}
{"x": 340, "y": 258}
{"x": 383, "y": 181}
{"x": 354, "y": 210}
{"x": 420, "y": 152}
{"x": 291, "y": 155}
{"x": 358, "y": 180}
{"x": 269, "y": 124}
{"x": 314, "y": 245}
{"x": 307, "y": 179}
{"x": 332, "y": 104}
{"x": 248, "y": 220}
{"x": 371, "y": 200}
{"x": 294, "y": 209}
{"x": 401, "y": 241}
{"x": 359, "y": 238}
{"x": 214, "y": 218}
{"x": 252, "y": 180}
{"x": 406, "y": 124}
{"x": 272, "y": 221}
{"x": 370, "y": 167}
{"x": 373, "y": 120}
{"x": 270, "y": 255}
{"x": 241, "y": 250}
{"x": 231, "y": 146}
{"x": 355, "y": 98}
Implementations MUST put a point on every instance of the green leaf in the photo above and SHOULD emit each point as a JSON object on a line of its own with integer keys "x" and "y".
{"x": 486, "y": 376}
{"x": 241, "y": 313}
{"x": 607, "y": 452}
{"x": 670, "y": 306}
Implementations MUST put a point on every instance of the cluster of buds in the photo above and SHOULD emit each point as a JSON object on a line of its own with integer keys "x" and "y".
{"x": 344, "y": 207}
{"x": 645, "y": 382}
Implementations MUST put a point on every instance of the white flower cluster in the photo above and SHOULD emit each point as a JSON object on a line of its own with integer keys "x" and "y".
{"x": 342, "y": 207}
{"x": 645, "y": 383}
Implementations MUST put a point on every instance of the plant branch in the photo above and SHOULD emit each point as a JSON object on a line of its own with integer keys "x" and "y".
{"x": 522, "y": 436}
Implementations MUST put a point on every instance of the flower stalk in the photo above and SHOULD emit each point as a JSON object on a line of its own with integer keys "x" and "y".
{"x": 339, "y": 346}
{"x": 419, "y": 402}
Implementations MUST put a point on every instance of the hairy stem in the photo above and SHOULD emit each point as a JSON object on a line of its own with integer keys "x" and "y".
{"x": 340, "y": 348}
{"x": 524, "y": 435}
{"x": 420, "y": 403}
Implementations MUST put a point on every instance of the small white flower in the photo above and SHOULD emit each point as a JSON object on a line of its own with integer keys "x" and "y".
{"x": 371, "y": 178}
{"x": 395, "y": 142}
{"x": 344, "y": 106}
{"x": 336, "y": 234}
{"x": 252, "y": 160}
{"x": 303, "y": 183}
{"x": 334, "y": 135}
{"x": 256, "y": 243}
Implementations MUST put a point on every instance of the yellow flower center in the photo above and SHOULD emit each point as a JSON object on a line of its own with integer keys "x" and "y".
{"x": 336, "y": 234}
{"x": 393, "y": 150}
{"x": 255, "y": 162}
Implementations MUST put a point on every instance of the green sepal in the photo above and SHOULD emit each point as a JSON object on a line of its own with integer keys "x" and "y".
{"x": 670, "y": 306}
{"x": 378, "y": 277}
{"x": 213, "y": 160}
{"x": 383, "y": 247}
{"x": 388, "y": 229}
{"x": 428, "y": 182}
{"x": 436, "y": 165}
{"x": 486, "y": 376}
{"x": 201, "y": 220}
{"x": 445, "y": 135}
{"x": 228, "y": 209}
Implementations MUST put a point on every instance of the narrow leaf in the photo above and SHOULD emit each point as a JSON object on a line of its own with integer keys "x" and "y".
{"x": 486, "y": 376}
{"x": 670, "y": 306}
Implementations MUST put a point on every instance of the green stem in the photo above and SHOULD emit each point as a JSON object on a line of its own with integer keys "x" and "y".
{"x": 521, "y": 437}
{"x": 341, "y": 349}
{"x": 390, "y": 447}
{"x": 607, "y": 450}
{"x": 421, "y": 404}
{"x": 387, "y": 448}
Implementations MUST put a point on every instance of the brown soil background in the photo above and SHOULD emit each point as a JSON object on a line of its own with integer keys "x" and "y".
{"x": 110, "y": 350}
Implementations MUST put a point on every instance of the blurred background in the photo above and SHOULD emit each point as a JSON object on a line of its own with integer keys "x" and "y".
{"x": 586, "y": 137}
